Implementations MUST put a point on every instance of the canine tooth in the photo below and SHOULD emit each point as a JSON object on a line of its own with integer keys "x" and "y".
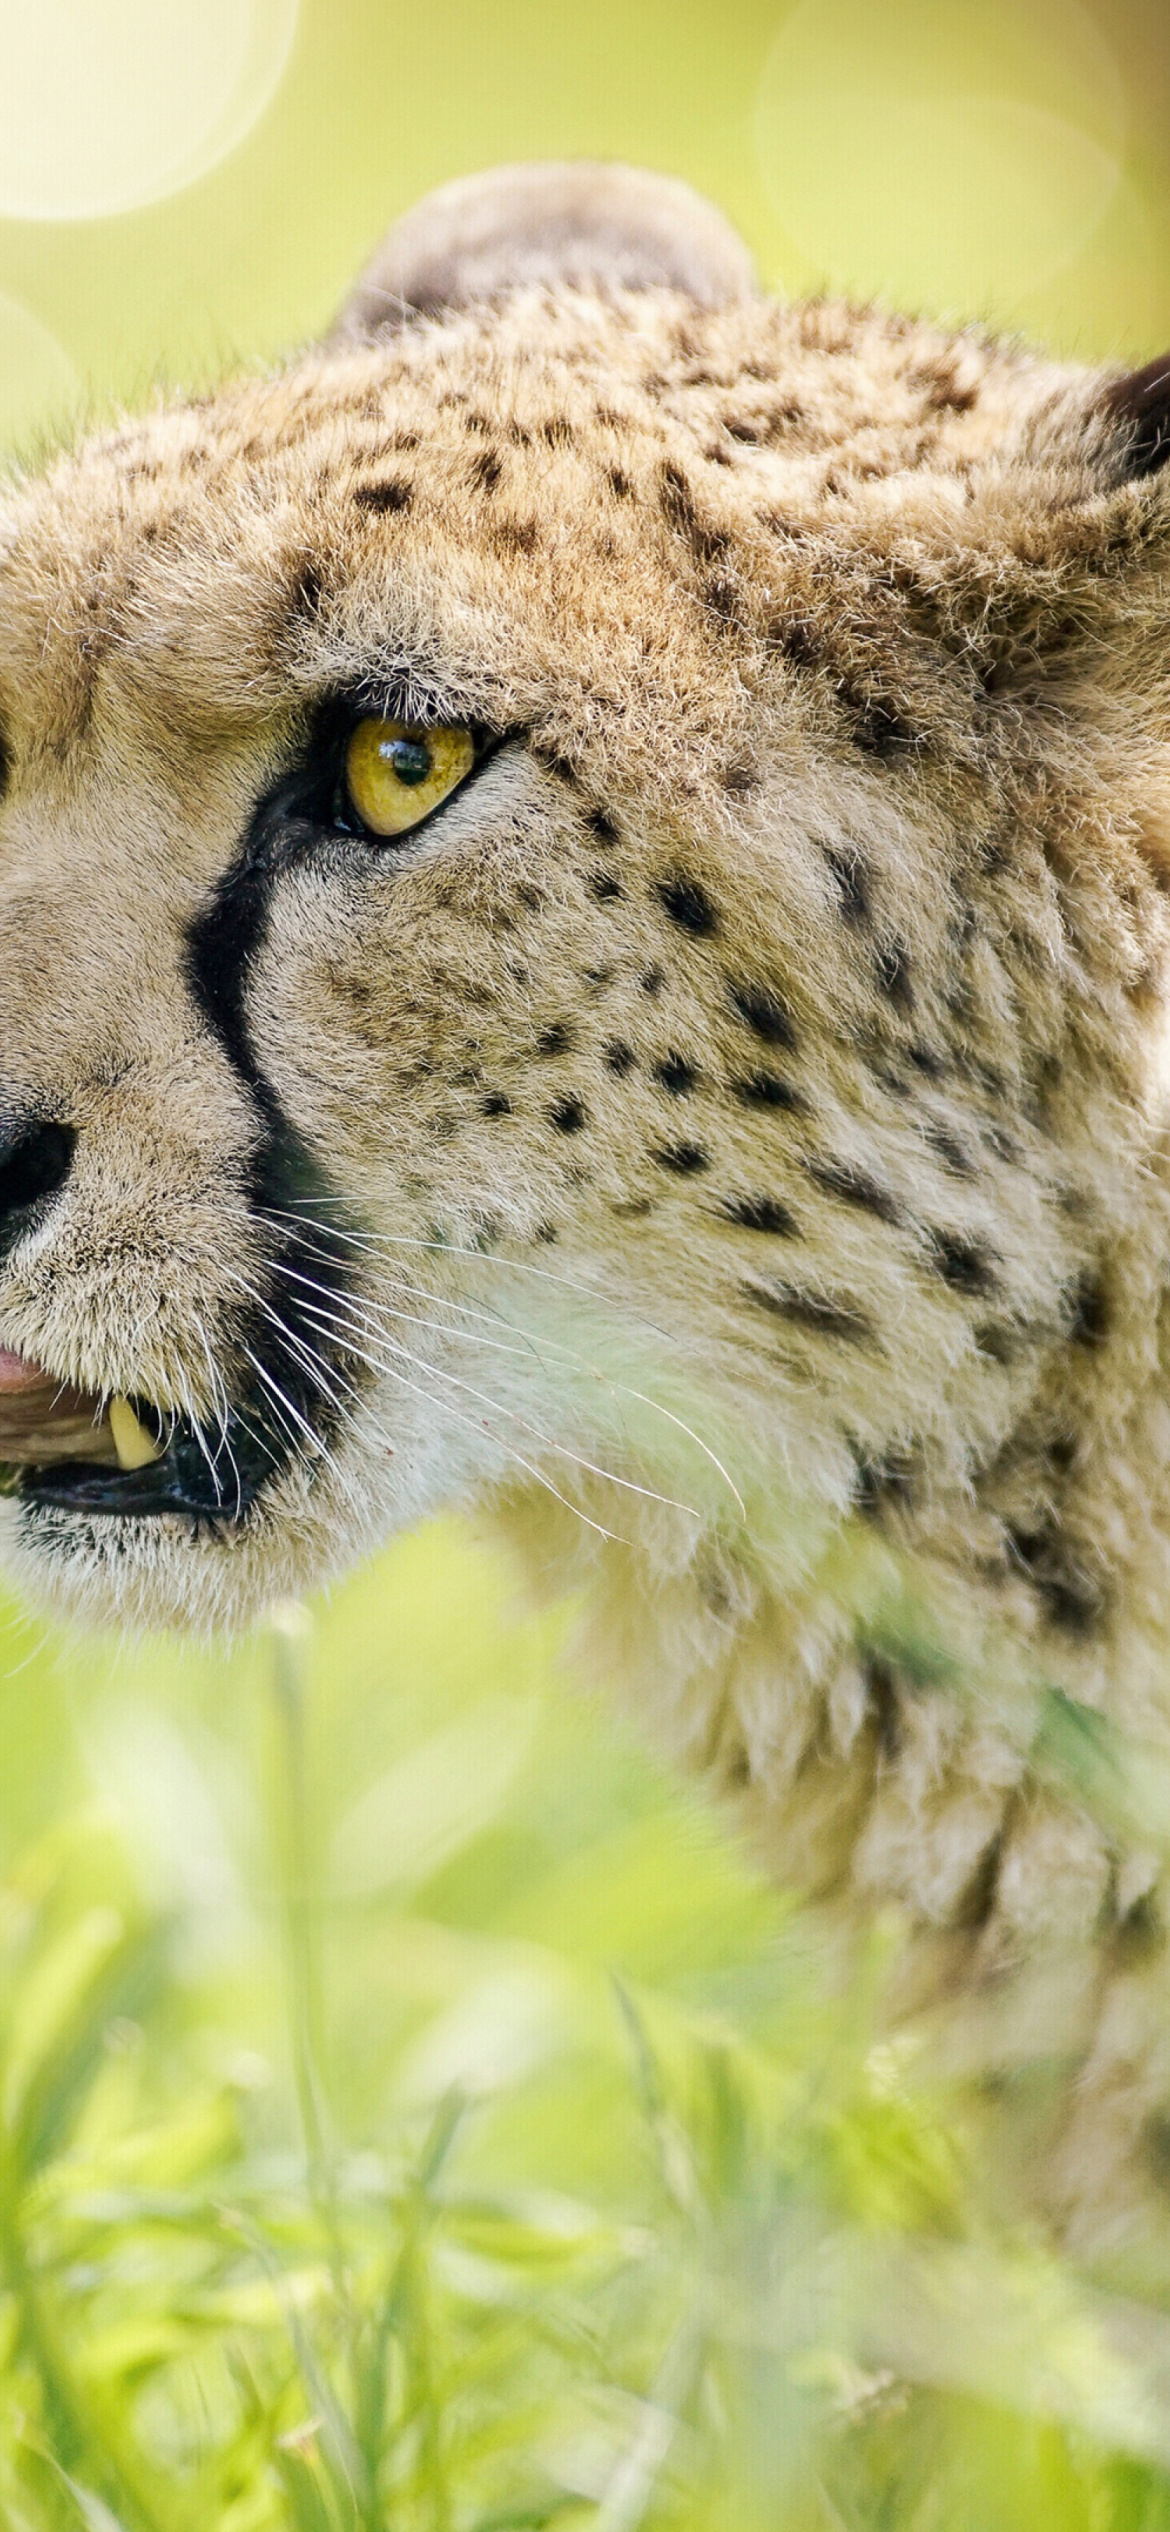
{"x": 135, "y": 1447}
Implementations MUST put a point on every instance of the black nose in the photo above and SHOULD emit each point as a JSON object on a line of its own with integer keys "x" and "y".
{"x": 35, "y": 1161}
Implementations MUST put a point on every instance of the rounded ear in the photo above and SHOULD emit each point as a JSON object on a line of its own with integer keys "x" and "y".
{"x": 571, "y": 224}
{"x": 1138, "y": 407}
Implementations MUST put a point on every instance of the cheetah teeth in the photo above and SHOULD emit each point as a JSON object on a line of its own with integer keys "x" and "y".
{"x": 136, "y": 1448}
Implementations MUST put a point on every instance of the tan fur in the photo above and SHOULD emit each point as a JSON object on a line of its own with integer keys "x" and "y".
{"x": 751, "y": 1090}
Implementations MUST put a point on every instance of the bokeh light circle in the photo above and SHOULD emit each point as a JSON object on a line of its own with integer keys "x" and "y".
{"x": 109, "y": 104}
{"x": 952, "y": 158}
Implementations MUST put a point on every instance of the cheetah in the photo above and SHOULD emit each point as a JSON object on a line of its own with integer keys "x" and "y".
{"x": 584, "y": 903}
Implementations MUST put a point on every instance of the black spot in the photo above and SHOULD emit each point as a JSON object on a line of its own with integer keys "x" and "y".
{"x": 1091, "y": 1314}
{"x": 652, "y": 981}
{"x": 568, "y": 1116}
{"x": 881, "y": 1689}
{"x": 852, "y": 883}
{"x": 528, "y": 894}
{"x": 760, "y": 1213}
{"x": 557, "y": 431}
{"x": 392, "y": 495}
{"x": 618, "y": 1056}
{"x": 855, "y": 1186}
{"x": 307, "y": 588}
{"x": 1000, "y": 1344}
{"x": 604, "y": 886}
{"x": 487, "y": 470}
{"x": 1072, "y": 1599}
{"x": 687, "y": 904}
{"x": 496, "y": 1104}
{"x": 477, "y": 422}
{"x": 795, "y": 637}
{"x": 769, "y": 1090}
{"x": 1140, "y": 403}
{"x": 892, "y": 962}
{"x": 814, "y": 1310}
{"x": 516, "y": 536}
{"x": 546, "y": 1232}
{"x": 926, "y": 1060}
{"x": 676, "y": 1074}
{"x": 685, "y": 1159}
{"x": 556, "y": 1040}
{"x": 738, "y": 777}
{"x": 964, "y": 1264}
{"x": 764, "y": 1012}
{"x": 677, "y": 503}
{"x": 602, "y": 826}
{"x": 877, "y": 724}
{"x": 620, "y": 483}
{"x": 949, "y": 1148}
{"x": 888, "y": 1480}
{"x": 597, "y": 978}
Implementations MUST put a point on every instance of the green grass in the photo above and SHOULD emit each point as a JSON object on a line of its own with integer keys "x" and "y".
{"x": 414, "y": 2115}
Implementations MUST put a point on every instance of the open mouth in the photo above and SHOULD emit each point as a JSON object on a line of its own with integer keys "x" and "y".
{"x": 68, "y": 1447}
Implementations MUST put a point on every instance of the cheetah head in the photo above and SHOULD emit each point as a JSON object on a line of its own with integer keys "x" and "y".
{"x": 581, "y": 894}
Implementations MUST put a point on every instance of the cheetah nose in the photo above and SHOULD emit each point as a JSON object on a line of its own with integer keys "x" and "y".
{"x": 35, "y": 1161}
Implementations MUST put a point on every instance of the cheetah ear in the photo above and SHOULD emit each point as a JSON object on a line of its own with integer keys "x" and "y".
{"x": 568, "y": 223}
{"x": 1137, "y": 408}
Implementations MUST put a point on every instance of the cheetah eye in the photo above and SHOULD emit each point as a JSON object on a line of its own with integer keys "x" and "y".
{"x": 395, "y": 772}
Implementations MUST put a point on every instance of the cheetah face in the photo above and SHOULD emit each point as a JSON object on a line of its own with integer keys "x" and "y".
{"x": 521, "y": 945}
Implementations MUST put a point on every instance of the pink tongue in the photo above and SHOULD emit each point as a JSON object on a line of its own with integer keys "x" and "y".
{"x": 40, "y": 1419}
{"x": 16, "y": 1371}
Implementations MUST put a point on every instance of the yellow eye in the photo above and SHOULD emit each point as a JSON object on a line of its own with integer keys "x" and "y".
{"x": 396, "y": 772}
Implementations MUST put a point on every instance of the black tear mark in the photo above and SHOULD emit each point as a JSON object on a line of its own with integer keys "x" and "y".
{"x": 384, "y": 497}
{"x": 815, "y": 1310}
{"x": 854, "y": 1186}
{"x": 619, "y": 1057}
{"x": 687, "y": 1160}
{"x": 568, "y": 1116}
{"x": 760, "y": 1213}
{"x": 769, "y": 1090}
{"x": 852, "y": 881}
{"x": 676, "y": 1074}
{"x": 687, "y": 904}
{"x": 963, "y": 1264}
{"x": 764, "y": 1012}
{"x": 892, "y": 964}
{"x": 557, "y": 1039}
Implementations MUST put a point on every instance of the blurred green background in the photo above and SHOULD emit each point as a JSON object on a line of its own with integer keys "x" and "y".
{"x": 413, "y": 2112}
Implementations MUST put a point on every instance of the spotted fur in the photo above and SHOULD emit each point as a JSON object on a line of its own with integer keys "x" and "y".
{"x": 728, "y": 1145}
